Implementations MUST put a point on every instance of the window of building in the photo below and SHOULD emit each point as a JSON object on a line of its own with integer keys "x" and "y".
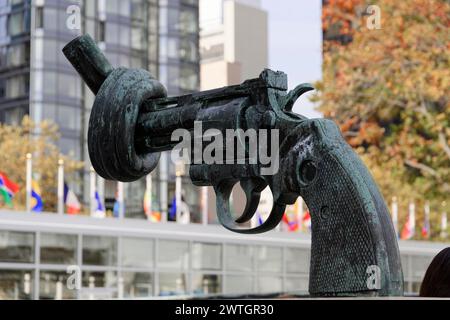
{"x": 138, "y": 10}
{"x": 205, "y": 284}
{"x": 53, "y": 286}
{"x": 16, "y": 247}
{"x": 15, "y": 115}
{"x": 118, "y": 7}
{"x": 270, "y": 259}
{"x": 136, "y": 285}
{"x": 49, "y": 112}
{"x": 99, "y": 251}
{"x": 39, "y": 17}
{"x": 206, "y": 256}
{"x": 171, "y": 284}
{"x": 15, "y": 2}
{"x": 17, "y": 86}
{"x": 173, "y": 254}
{"x": 297, "y": 284}
{"x": 50, "y": 18}
{"x": 50, "y": 83}
{"x": 101, "y": 31}
{"x": 188, "y": 79}
{"x": 3, "y": 26}
{"x": 70, "y": 146}
{"x": 2, "y": 88}
{"x": 16, "y": 24}
{"x": 239, "y": 258}
{"x": 17, "y": 55}
{"x": 16, "y": 284}
{"x": 188, "y": 50}
{"x": 188, "y": 22}
{"x": 137, "y": 38}
{"x": 269, "y": 284}
{"x": 235, "y": 284}
{"x": 137, "y": 253}
{"x": 99, "y": 285}
{"x": 51, "y": 51}
{"x": 297, "y": 260}
{"x": 58, "y": 249}
{"x": 69, "y": 118}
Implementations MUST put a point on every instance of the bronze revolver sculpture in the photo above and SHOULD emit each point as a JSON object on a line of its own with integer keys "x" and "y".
{"x": 354, "y": 246}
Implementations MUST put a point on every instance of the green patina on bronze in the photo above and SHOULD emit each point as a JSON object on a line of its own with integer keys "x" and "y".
{"x": 132, "y": 121}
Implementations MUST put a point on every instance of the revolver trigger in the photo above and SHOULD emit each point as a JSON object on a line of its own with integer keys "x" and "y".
{"x": 288, "y": 101}
{"x": 252, "y": 189}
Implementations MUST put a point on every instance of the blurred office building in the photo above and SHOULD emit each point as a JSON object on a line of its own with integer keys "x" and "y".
{"x": 37, "y": 80}
{"x": 233, "y": 42}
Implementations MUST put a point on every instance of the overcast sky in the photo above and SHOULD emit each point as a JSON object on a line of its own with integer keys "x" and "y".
{"x": 295, "y": 43}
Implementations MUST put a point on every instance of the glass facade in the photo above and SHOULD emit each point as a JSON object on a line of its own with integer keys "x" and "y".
{"x": 59, "y": 249}
{"x": 15, "y": 17}
{"x": 34, "y": 265}
{"x": 16, "y": 247}
{"x": 179, "y": 37}
{"x": 56, "y": 89}
{"x": 179, "y": 72}
{"x": 138, "y": 267}
{"x": 36, "y": 79}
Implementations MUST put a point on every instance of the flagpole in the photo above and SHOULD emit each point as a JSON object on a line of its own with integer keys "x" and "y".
{"x": 444, "y": 222}
{"x": 412, "y": 218}
{"x": 61, "y": 187}
{"x": 395, "y": 214}
{"x": 178, "y": 182}
{"x": 205, "y": 206}
{"x": 120, "y": 198}
{"x": 92, "y": 191}
{"x": 148, "y": 189}
{"x": 29, "y": 178}
{"x": 427, "y": 219}
{"x": 300, "y": 214}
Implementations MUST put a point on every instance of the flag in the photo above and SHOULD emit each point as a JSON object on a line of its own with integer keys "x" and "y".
{"x": 408, "y": 231}
{"x": 426, "y": 223}
{"x": 426, "y": 229}
{"x": 258, "y": 219}
{"x": 99, "y": 207}
{"x": 37, "y": 205}
{"x": 185, "y": 215}
{"x": 152, "y": 215}
{"x": 7, "y": 189}
{"x": 306, "y": 221}
{"x": 73, "y": 206}
{"x": 290, "y": 219}
{"x": 7, "y": 200}
{"x": 173, "y": 210}
{"x": 116, "y": 208}
{"x": 10, "y": 187}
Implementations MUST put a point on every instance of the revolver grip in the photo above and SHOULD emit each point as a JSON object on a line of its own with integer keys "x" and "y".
{"x": 354, "y": 246}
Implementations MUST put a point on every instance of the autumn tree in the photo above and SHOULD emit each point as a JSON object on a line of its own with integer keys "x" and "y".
{"x": 389, "y": 90}
{"x": 39, "y": 140}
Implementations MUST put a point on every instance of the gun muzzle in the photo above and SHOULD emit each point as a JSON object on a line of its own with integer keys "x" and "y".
{"x": 90, "y": 62}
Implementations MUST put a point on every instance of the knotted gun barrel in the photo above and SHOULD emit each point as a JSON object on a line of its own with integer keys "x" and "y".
{"x": 354, "y": 247}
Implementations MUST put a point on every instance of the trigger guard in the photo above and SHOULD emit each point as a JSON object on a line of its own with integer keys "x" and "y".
{"x": 252, "y": 189}
{"x": 223, "y": 192}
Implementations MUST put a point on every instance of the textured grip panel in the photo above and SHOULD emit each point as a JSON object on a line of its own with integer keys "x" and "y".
{"x": 342, "y": 247}
{"x": 352, "y": 233}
